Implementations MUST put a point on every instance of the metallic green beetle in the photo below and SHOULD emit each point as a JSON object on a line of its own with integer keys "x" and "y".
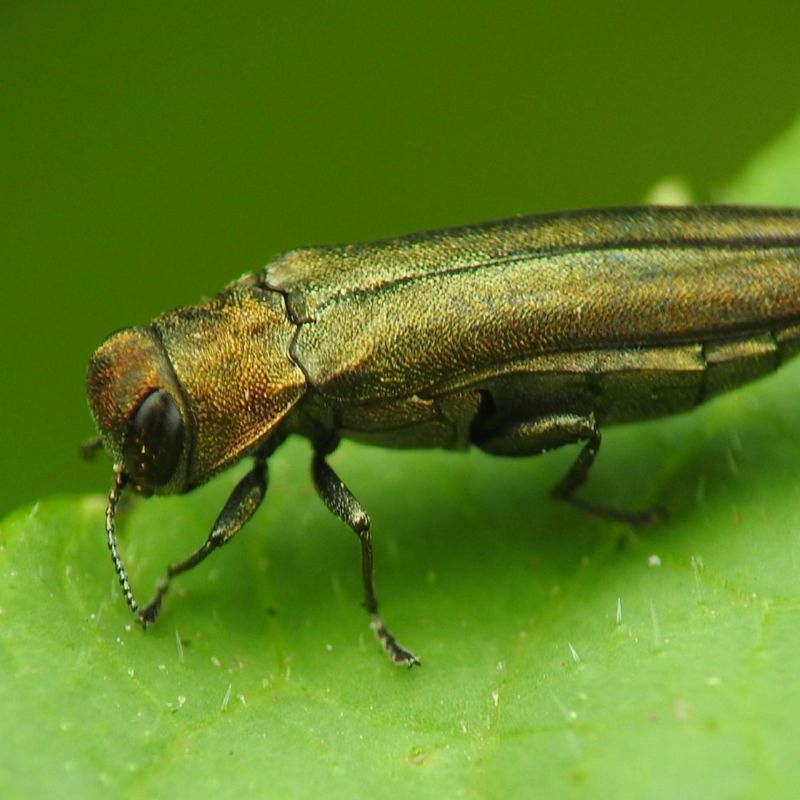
{"x": 516, "y": 336}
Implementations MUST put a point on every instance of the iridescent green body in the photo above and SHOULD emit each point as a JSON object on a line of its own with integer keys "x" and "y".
{"x": 626, "y": 313}
{"x": 515, "y": 336}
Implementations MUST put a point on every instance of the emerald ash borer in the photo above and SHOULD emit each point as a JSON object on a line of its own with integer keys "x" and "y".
{"x": 516, "y": 337}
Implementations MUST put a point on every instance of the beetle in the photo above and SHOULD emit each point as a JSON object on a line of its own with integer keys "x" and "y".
{"x": 516, "y": 337}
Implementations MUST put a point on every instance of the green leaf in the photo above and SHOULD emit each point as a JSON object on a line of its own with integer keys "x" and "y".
{"x": 559, "y": 652}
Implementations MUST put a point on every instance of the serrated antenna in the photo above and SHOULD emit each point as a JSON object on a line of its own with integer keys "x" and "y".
{"x": 120, "y": 479}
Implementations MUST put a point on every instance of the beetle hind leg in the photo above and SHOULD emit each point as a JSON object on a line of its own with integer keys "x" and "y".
{"x": 537, "y": 435}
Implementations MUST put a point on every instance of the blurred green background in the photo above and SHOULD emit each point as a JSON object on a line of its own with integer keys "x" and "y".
{"x": 152, "y": 152}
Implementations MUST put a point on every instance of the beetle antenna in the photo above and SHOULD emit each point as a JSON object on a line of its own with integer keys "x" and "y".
{"x": 120, "y": 479}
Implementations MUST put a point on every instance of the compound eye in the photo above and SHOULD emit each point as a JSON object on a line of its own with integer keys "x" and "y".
{"x": 154, "y": 441}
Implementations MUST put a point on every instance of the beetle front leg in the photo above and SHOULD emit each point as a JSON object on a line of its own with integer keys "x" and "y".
{"x": 340, "y": 500}
{"x": 241, "y": 505}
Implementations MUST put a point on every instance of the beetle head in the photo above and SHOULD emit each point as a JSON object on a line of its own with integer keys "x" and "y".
{"x": 196, "y": 390}
{"x": 139, "y": 410}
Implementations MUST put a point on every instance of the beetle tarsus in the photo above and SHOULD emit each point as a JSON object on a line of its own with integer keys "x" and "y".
{"x": 639, "y": 518}
{"x": 149, "y": 614}
{"x": 396, "y": 652}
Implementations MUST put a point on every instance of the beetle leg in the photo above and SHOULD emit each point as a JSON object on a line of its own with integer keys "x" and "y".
{"x": 241, "y": 505}
{"x": 340, "y": 500}
{"x": 586, "y": 430}
{"x": 540, "y": 434}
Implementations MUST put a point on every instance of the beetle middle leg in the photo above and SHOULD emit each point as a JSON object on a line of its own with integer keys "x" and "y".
{"x": 341, "y": 501}
{"x": 240, "y": 506}
{"x": 536, "y": 435}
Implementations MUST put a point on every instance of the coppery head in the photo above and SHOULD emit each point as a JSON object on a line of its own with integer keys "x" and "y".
{"x": 139, "y": 409}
